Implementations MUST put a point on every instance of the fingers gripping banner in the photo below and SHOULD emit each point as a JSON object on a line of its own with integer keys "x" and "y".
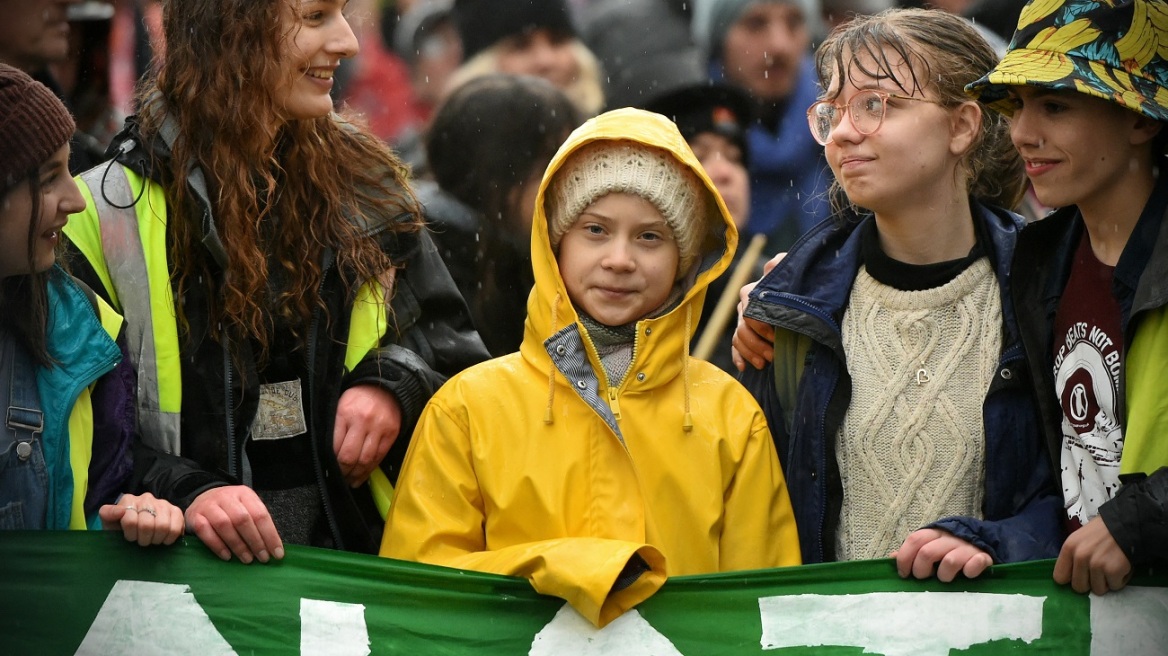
{"x": 93, "y": 593}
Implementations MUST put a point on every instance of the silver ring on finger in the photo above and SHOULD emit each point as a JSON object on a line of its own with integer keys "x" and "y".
{"x": 152, "y": 512}
{"x": 131, "y": 507}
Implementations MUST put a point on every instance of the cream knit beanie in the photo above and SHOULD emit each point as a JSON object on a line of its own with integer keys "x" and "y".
{"x": 605, "y": 167}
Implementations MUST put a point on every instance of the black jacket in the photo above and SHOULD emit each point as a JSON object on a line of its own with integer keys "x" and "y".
{"x": 1138, "y": 515}
{"x": 430, "y": 339}
{"x": 490, "y": 265}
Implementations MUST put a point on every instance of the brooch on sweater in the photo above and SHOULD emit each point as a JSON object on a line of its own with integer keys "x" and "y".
{"x": 922, "y": 375}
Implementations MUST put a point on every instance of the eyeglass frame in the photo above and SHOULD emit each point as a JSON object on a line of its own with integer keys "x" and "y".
{"x": 879, "y": 93}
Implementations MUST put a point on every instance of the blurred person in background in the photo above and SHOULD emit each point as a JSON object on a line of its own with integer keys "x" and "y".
{"x": 528, "y": 37}
{"x": 645, "y": 48}
{"x": 488, "y": 146}
{"x": 714, "y": 119}
{"x": 34, "y": 35}
{"x": 376, "y": 82}
{"x": 764, "y": 48}
{"x": 837, "y": 12}
{"x": 136, "y": 42}
{"x": 426, "y": 38}
{"x": 84, "y": 79}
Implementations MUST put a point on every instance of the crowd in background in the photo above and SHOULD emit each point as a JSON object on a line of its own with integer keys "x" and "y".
{"x": 738, "y": 73}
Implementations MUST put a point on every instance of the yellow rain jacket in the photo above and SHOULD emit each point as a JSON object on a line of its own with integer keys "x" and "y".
{"x": 535, "y": 465}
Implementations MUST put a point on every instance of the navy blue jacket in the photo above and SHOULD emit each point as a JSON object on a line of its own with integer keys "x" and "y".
{"x": 806, "y": 391}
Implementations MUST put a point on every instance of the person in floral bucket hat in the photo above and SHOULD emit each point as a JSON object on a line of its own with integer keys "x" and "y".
{"x": 1086, "y": 85}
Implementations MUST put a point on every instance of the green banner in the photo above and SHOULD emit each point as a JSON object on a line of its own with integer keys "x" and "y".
{"x": 94, "y": 593}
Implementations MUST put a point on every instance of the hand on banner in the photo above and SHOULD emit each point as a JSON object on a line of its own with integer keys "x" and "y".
{"x": 931, "y": 548}
{"x": 233, "y": 520}
{"x": 753, "y": 340}
{"x": 143, "y": 519}
{"x": 368, "y": 422}
{"x": 1092, "y": 561}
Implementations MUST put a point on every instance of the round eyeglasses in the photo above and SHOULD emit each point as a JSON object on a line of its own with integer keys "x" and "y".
{"x": 866, "y": 109}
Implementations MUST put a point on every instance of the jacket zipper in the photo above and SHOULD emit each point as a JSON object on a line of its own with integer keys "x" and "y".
{"x": 311, "y": 361}
{"x": 823, "y": 464}
{"x": 1011, "y": 354}
{"x": 614, "y": 390}
{"x": 229, "y": 409}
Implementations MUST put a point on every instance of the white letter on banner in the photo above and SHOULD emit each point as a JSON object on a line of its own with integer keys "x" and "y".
{"x": 1131, "y": 621}
{"x": 899, "y": 623}
{"x": 143, "y": 617}
{"x": 332, "y": 628}
{"x": 629, "y": 634}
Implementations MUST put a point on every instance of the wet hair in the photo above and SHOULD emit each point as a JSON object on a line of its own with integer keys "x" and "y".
{"x": 284, "y": 191}
{"x": 490, "y": 137}
{"x": 24, "y": 305}
{"x": 944, "y": 53}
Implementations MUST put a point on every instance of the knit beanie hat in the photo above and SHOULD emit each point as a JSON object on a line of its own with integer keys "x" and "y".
{"x": 483, "y": 23}
{"x": 611, "y": 166}
{"x": 713, "y": 18}
{"x": 34, "y": 124}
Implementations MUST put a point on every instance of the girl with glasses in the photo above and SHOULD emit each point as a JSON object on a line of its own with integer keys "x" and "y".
{"x": 891, "y": 368}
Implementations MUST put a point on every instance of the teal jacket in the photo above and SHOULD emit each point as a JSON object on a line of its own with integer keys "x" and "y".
{"x": 82, "y": 344}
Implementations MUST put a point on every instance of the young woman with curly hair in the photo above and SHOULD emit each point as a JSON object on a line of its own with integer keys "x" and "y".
{"x": 270, "y": 262}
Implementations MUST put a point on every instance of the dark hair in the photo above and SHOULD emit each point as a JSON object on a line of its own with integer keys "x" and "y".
{"x": 1160, "y": 142}
{"x": 944, "y": 53}
{"x": 24, "y": 305}
{"x": 483, "y": 23}
{"x": 488, "y": 138}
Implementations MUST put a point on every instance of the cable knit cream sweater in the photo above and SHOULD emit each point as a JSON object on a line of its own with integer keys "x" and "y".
{"x": 911, "y": 448}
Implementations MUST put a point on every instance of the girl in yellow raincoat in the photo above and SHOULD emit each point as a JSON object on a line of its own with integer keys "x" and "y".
{"x": 601, "y": 458}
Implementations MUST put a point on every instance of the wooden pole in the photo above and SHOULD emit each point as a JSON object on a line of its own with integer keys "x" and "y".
{"x": 728, "y": 302}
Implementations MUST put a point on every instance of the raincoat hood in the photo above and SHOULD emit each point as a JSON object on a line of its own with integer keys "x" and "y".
{"x": 549, "y": 310}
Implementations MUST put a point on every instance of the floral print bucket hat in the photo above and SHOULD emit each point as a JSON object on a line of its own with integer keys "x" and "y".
{"x": 1112, "y": 49}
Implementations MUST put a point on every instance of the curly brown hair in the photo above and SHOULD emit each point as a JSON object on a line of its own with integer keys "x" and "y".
{"x": 283, "y": 191}
{"x": 944, "y": 53}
